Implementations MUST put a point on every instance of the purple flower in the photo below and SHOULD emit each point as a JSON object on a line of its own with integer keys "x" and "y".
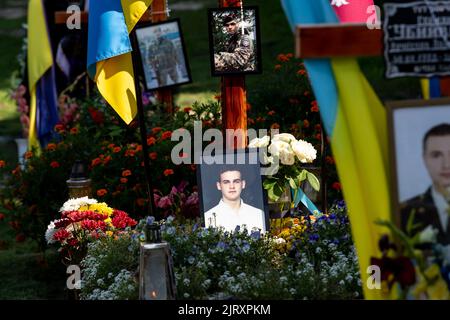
{"x": 313, "y": 237}
{"x": 150, "y": 220}
{"x": 165, "y": 202}
{"x": 192, "y": 199}
{"x": 256, "y": 234}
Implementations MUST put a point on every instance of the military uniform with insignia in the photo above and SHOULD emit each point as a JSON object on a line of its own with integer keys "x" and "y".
{"x": 163, "y": 58}
{"x": 238, "y": 54}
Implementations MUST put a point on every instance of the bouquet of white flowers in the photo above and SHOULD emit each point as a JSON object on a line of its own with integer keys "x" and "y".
{"x": 291, "y": 153}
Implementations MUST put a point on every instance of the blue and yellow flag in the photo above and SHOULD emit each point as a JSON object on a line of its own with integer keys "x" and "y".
{"x": 109, "y": 51}
{"x": 355, "y": 120}
{"x": 41, "y": 78}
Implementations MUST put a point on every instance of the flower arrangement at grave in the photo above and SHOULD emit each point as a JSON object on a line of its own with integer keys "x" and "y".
{"x": 84, "y": 220}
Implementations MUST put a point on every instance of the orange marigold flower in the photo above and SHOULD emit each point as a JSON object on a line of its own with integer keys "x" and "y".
{"x": 59, "y": 128}
{"x": 168, "y": 172}
{"x": 101, "y": 192}
{"x": 138, "y": 148}
{"x": 74, "y": 130}
{"x": 166, "y": 135}
{"x": 28, "y": 154}
{"x": 117, "y": 149}
{"x": 107, "y": 159}
{"x": 126, "y": 173}
{"x": 54, "y": 164}
{"x": 123, "y": 180}
{"x": 301, "y": 72}
{"x": 151, "y": 141}
{"x": 2, "y": 163}
{"x": 153, "y": 155}
{"x": 156, "y": 130}
{"x": 277, "y": 67}
{"x": 130, "y": 153}
{"x": 111, "y": 145}
{"x": 96, "y": 162}
{"x": 187, "y": 109}
{"x": 282, "y": 58}
{"x": 51, "y": 147}
{"x": 305, "y": 123}
{"x": 271, "y": 112}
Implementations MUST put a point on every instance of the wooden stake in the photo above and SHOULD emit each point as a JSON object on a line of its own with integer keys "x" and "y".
{"x": 234, "y": 99}
{"x": 163, "y": 95}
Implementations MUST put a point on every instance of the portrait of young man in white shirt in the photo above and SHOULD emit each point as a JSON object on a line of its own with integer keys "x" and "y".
{"x": 231, "y": 211}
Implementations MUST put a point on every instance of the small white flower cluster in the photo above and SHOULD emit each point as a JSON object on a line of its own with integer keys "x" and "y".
{"x": 50, "y": 232}
{"x": 285, "y": 147}
{"x": 75, "y": 203}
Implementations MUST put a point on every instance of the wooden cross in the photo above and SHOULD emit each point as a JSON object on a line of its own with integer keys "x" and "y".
{"x": 234, "y": 98}
{"x": 343, "y": 40}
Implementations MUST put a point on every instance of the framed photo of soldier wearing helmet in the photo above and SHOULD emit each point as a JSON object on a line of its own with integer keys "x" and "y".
{"x": 234, "y": 40}
{"x": 162, "y": 54}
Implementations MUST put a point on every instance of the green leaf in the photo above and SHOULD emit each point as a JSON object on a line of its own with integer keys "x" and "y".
{"x": 275, "y": 192}
{"x": 313, "y": 181}
{"x": 269, "y": 183}
{"x": 302, "y": 176}
{"x": 292, "y": 183}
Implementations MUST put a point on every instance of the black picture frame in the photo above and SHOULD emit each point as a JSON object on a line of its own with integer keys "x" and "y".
{"x": 256, "y": 180}
{"x": 409, "y": 177}
{"x": 213, "y": 47}
{"x": 146, "y": 30}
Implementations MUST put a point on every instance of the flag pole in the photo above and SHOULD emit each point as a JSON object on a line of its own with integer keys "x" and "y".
{"x": 142, "y": 127}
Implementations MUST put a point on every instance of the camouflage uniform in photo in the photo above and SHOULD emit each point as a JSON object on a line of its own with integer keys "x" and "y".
{"x": 163, "y": 58}
{"x": 238, "y": 55}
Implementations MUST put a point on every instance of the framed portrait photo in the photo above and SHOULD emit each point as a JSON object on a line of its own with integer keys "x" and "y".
{"x": 231, "y": 192}
{"x": 234, "y": 40}
{"x": 162, "y": 54}
{"x": 419, "y": 133}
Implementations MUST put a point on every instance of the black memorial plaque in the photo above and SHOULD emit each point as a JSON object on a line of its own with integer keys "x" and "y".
{"x": 416, "y": 39}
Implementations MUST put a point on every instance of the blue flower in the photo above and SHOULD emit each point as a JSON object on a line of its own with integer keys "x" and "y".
{"x": 221, "y": 246}
{"x": 150, "y": 220}
{"x": 256, "y": 234}
{"x": 333, "y": 216}
{"x": 195, "y": 227}
{"x": 237, "y": 229}
{"x": 314, "y": 237}
{"x": 246, "y": 247}
{"x": 341, "y": 204}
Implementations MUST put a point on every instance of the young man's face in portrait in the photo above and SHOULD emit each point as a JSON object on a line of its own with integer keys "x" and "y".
{"x": 231, "y": 185}
{"x": 231, "y": 27}
{"x": 437, "y": 160}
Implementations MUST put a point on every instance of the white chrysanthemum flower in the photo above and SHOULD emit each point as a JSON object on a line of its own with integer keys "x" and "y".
{"x": 50, "y": 232}
{"x": 278, "y": 146}
{"x": 304, "y": 151}
{"x": 75, "y": 203}
{"x": 259, "y": 143}
{"x": 286, "y": 137}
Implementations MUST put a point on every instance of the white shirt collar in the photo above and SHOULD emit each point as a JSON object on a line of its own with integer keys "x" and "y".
{"x": 442, "y": 207}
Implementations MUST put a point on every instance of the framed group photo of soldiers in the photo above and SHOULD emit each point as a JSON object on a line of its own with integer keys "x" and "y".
{"x": 162, "y": 54}
{"x": 234, "y": 39}
{"x": 419, "y": 134}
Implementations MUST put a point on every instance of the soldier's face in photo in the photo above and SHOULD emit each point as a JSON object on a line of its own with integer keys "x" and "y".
{"x": 437, "y": 160}
{"x": 231, "y": 185}
{"x": 231, "y": 27}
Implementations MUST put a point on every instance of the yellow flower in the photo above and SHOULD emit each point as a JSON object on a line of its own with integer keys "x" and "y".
{"x": 101, "y": 208}
{"x": 109, "y": 233}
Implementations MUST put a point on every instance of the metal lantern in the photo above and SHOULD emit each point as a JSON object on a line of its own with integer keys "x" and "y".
{"x": 79, "y": 185}
{"x": 156, "y": 278}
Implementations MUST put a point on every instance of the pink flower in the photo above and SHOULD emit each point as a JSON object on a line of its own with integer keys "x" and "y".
{"x": 192, "y": 200}
{"x": 164, "y": 202}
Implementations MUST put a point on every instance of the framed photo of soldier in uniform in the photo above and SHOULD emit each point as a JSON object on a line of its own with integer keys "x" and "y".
{"x": 162, "y": 54}
{"x": 234, "y": 40}
{"x": 419, "y": 134}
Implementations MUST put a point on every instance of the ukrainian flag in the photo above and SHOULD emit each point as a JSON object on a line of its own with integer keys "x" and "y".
{"x": 355, "y": 120}
{"x": 41, "y": 78}
{"x": 109, "y": 51}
